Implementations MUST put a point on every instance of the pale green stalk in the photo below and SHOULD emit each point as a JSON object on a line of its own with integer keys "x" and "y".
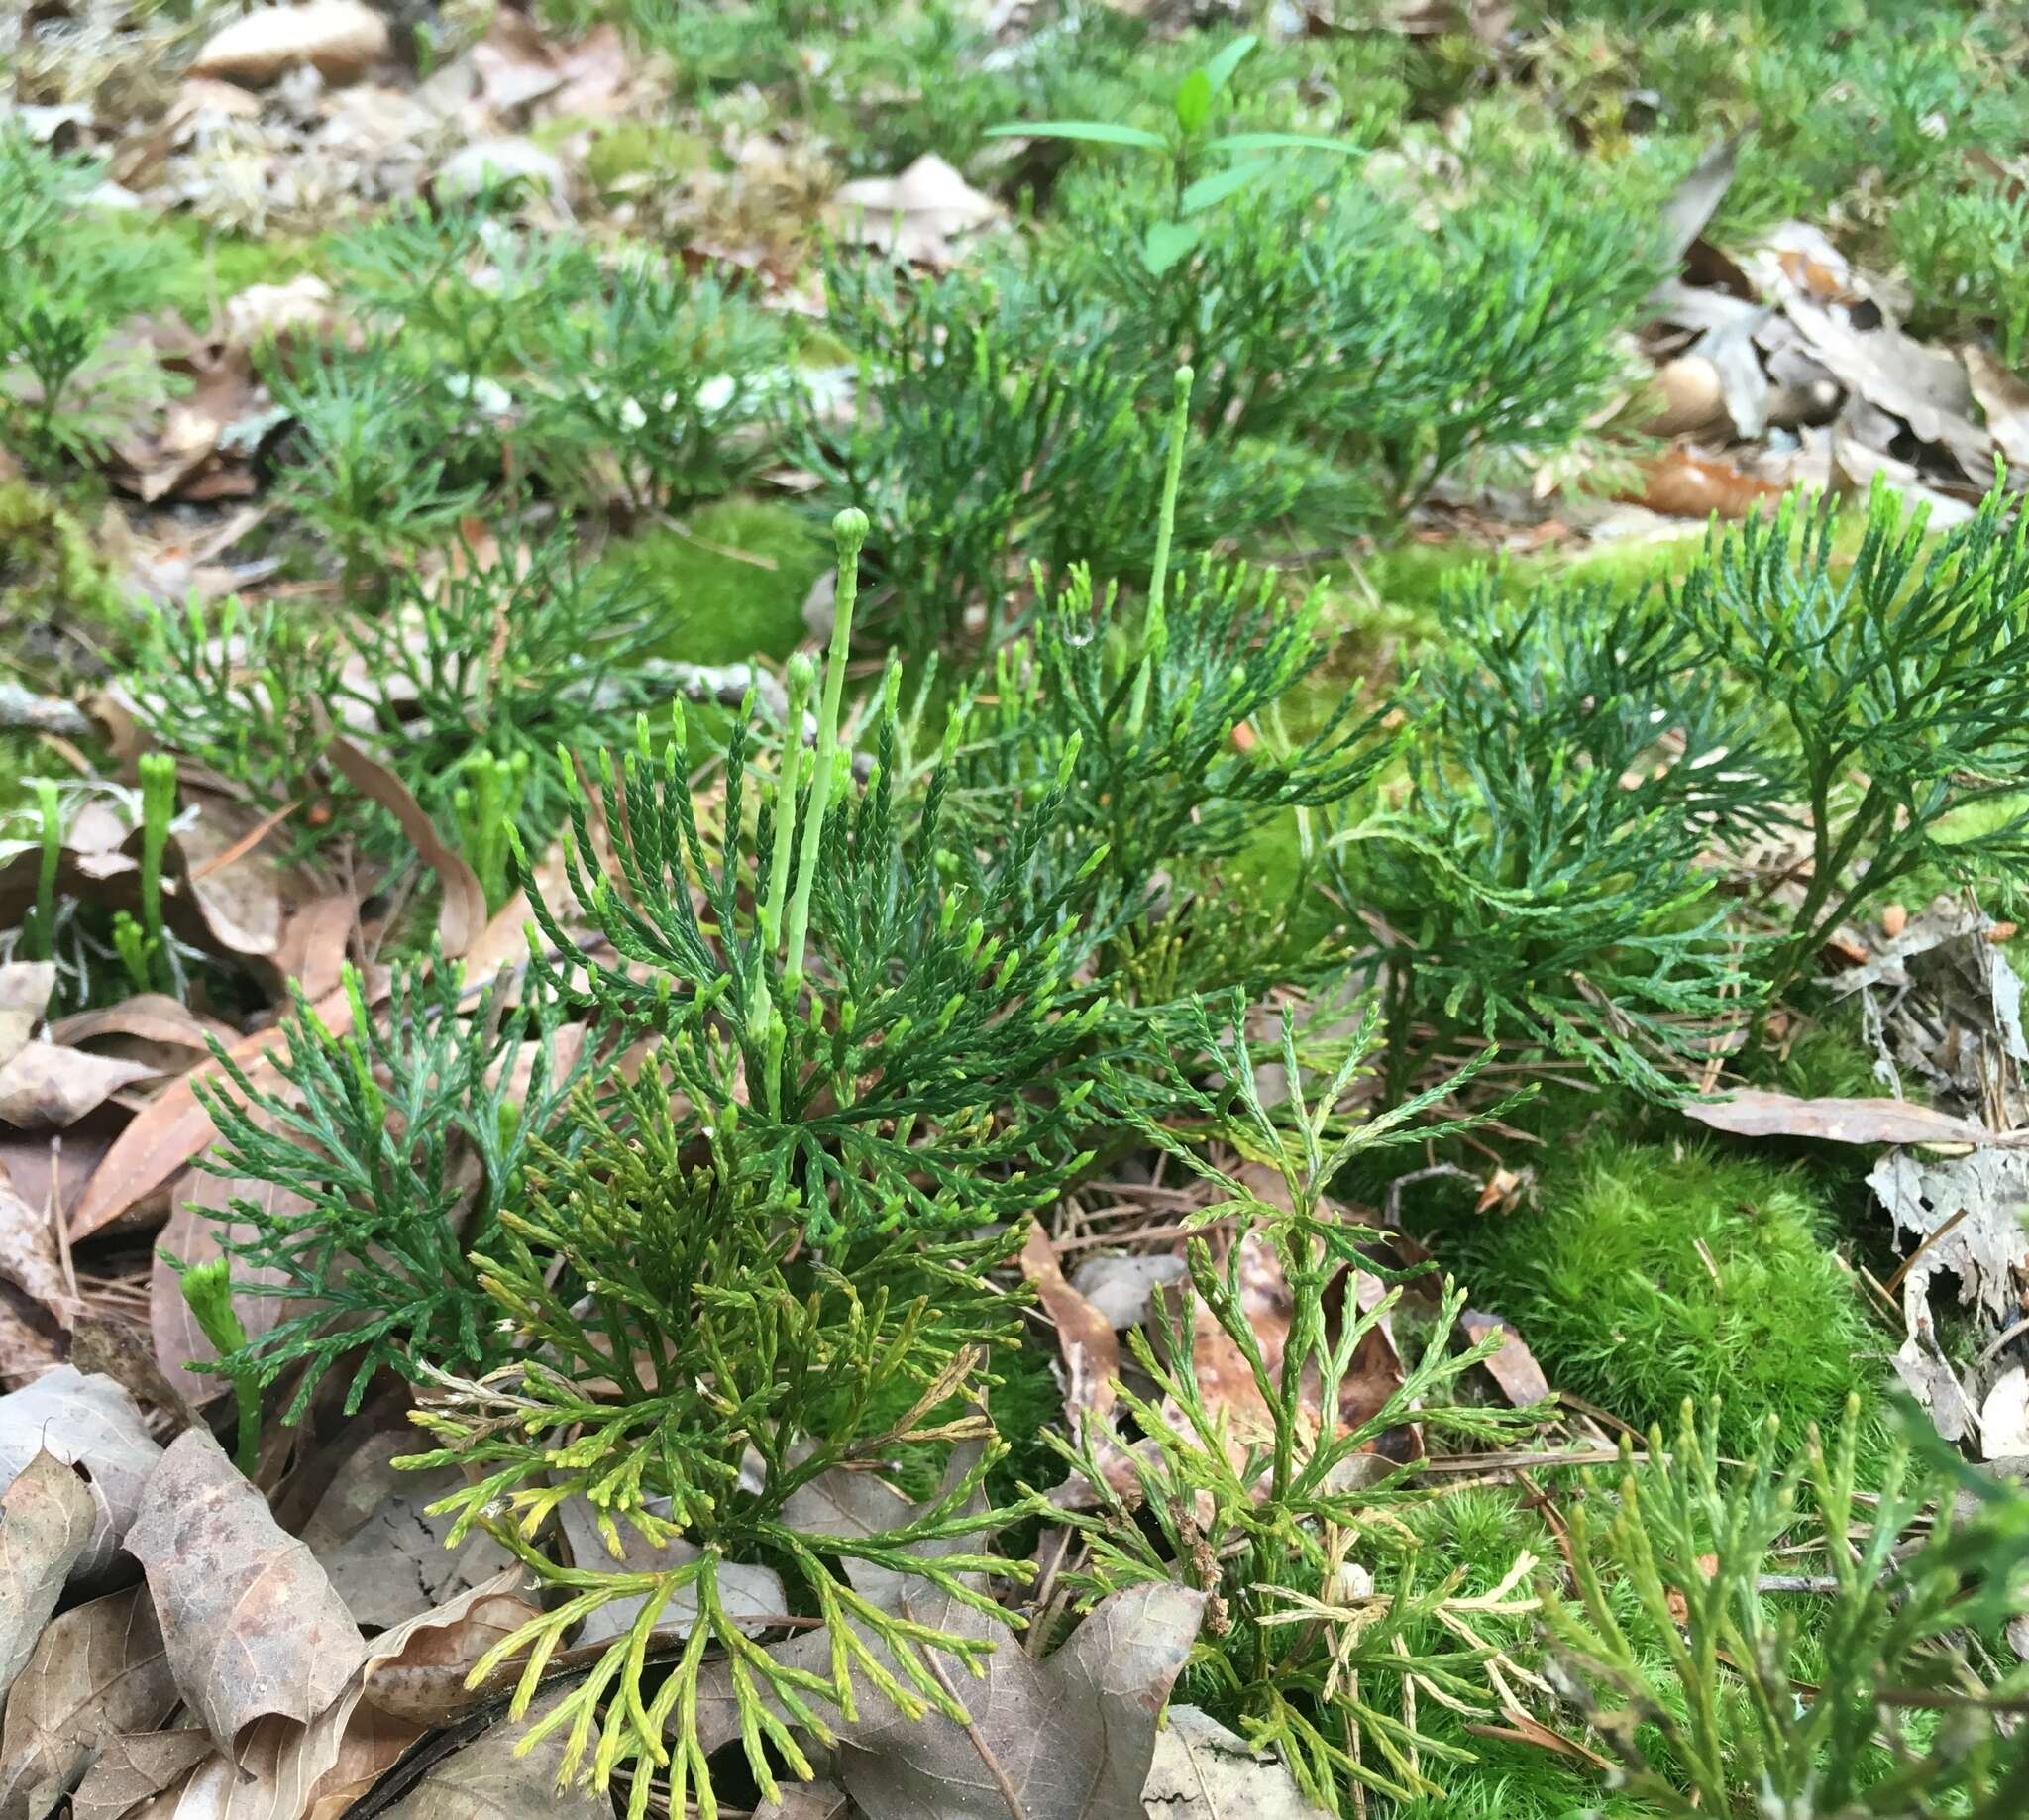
{"x": 1155, "y": 628}
{"x": 849, "y": 532}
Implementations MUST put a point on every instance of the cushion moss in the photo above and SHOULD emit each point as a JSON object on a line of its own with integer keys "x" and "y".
{"x": 730, "y": 583}
{"x": 1656, "y": 1272}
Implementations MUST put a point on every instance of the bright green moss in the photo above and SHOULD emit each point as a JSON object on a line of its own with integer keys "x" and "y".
{"x": 1656, "y": 1272}
{"x": 730, "y": 585}
{"x": 197, "y": 268}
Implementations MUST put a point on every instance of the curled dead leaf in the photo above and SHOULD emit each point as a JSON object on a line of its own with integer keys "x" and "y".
{"x": 89, "y": 1422}
{"x": 46, "y": 1517}
{"x": 253, "y": 1628}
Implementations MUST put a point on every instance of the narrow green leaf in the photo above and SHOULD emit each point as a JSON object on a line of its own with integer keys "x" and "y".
{"x": 1194, "y": 102}
{"x": 1220, "y": 185}
{"x": 1095, "y": 132}
{"x": 1281, "y": 142}
{"x": 1219, "y": 73}
{"x": 1167, "y": 241}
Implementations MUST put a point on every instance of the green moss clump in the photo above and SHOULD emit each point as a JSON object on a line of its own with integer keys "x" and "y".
{"x": 1659, "y": 1272}
{"x": 48, "y": 565}
{"x": 731, "y": 585}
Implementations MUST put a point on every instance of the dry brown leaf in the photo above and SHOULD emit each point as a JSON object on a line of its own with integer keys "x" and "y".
{"x": 1092, "y": 1354}
{"x": 2006, "y": 400}
{"x": 236, "y": 889}
{"x": 916, "y": 216}
{"x": 1758, "y": 1113}
{"x": 25, "y": 989}
{"x": 1925, "y": 387}
{"x": 493, "y": 1778}
{"x": 805, "y": 1801}
{"x": 514, "y": 63}
{"x": 253, "y": 1628}
{"x": 148, "y": 1018}
{"x": 30, "y": 1344}
{"x": 180, "y": 454}
{"x": 1067, "y": 1737}
{"x": 1513, "y": 1368}
{"x": 464, "y": 914}
{"x": 97, "y": 1674}
{"x": 1855, "y": 466}
{"x": 1124, "y": 1289}
{"x": 172, "y": 1128}
{"x": 1965, "y": 1212}
{"x": 29, "y": 1258}
{"x": 89, "y": 1422}
{"x": 1203, "y": 1771}
{"x": 48, "y": 1086}
{"x": 280, "y": 312}
{"x": 290, "y": 1771}
{"x": 382, "y": 1550}
{"x": 47, "y": 1519}
{"x": 340, "y": 38}
{"x": 192, "y": 1237}
{"x": 314, "y": 942}
{"x": 1687, "y": 484}
{"x": 109, "y": 1346}
{"x": 136, "y": 1766}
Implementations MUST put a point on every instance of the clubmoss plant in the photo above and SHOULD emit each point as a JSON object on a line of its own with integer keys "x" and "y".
{"x": 1911, "y": 1587}
{"x": 66, "y": 283}
{"x": 1000, "y": 424}
{"x": 1157, "y": 711}
{"x": 828, "y": 967}
{"x": 1262, "y": 1507}
{"x": 375, "y": 469}
{"x": 144, "y": 945}
{"x": 1894, "y": 684}
{"x": 39, "y": 937}
{"x": 1319, "y": 312}
{"x": 396, "y": 1144}
{"x": 1543, "y": 880}
{"x": 663, "y": 376}
{"x": 207, "y": 1289}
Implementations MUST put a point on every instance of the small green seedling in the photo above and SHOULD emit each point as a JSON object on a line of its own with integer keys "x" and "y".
{"x": 208, "y": 1289}
{"x": 1198, "y": 181}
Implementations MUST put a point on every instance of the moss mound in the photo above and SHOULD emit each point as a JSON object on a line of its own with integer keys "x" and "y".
{"x": 1659, "y": 1272}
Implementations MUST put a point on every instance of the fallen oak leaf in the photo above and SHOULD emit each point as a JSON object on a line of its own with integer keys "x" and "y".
{"x": 1203, "y": 1771}
{"x": 29, "y": 1258}
{"x": 916, "y": 216}
{"x": 135, "y": 1767}
{"x": 147, "y": 1017}
{"x": 493, "y": 1778}
{"x": 254, "y": 1629}
{"x": 1511, "y": 1366}
{"x": 2006, "y": 400}
{"x": 1682, "y": 484}
{"x": 25, "y": 989}
{"x": 1092, "y": 1353}
{"x": 1064, "y": 1738}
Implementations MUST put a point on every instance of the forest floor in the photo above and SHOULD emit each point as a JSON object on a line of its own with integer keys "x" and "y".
{"x": 1575, "y": 862}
